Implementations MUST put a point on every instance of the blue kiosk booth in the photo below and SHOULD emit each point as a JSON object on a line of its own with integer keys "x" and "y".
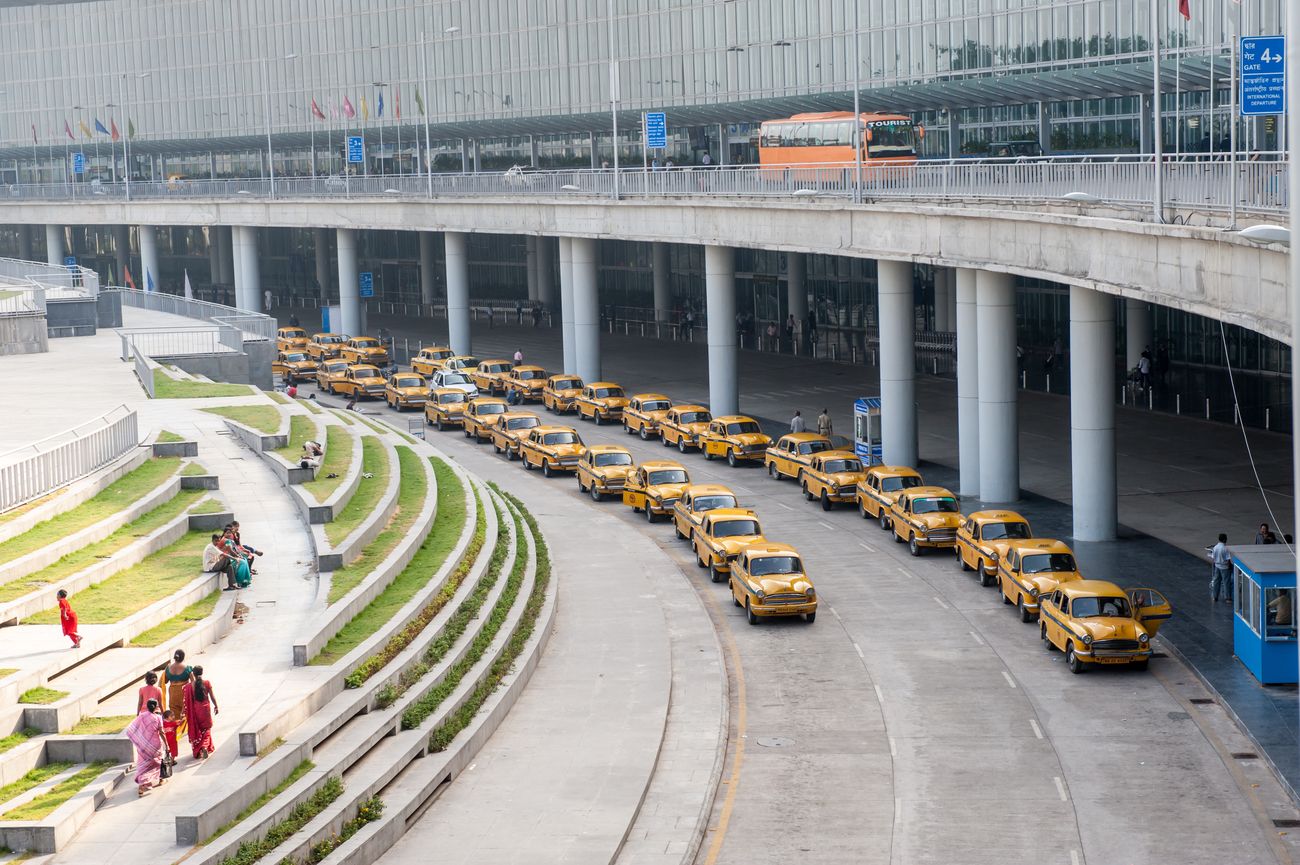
{"x": 866, "y": 430}
{"x": 1264, "y": 624}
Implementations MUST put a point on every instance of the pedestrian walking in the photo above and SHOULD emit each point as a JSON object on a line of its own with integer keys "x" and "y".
{"x": 772, "y": 343}
{"x": 796, "y": 423}
{"x": 690, "y": 325}
{"x": 266, "y": 300}
{"x": 1144, "y": 369}
{"x": 824, "y": 423}
{"x": 148, "y": 691}
{"x": 706, "y": 160}
{"x": 789, "y": 334}
{"x": 68, "y": 619}
{"x": 519, "y": 312}
{"x": 537, "y": 315}
{"x": 1221, "y": 556}
{"x": 489, "y": 318}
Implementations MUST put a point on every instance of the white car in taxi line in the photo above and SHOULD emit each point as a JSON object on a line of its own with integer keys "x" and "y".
{"x": 450, "y": 378}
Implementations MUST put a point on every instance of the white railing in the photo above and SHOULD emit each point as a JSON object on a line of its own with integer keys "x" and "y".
{"x": 144, "y": 372}
{"x": 172, "y": 341}
{"x": 38, "y": 469}
{"x": 255, "y": 324}
{"x": 22, "y": 300}
{"x": 74, "y": 279}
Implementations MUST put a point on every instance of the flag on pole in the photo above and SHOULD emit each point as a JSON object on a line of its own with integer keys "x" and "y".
{"x": 100, "y": 127}
{"x": 130, "y": 128}
{"x": 397, "y": 98}
{"x": 33, "y": 133}
{"x": 315, "y": 110}
{"x": 113, "y": 132}
{"x": 419, "y": 102}
{"x": 348, "y": 111}
{"x": 1185, "y": 9}
{"x": 130, "y": 283}
{"x": 148, "y": 282}
{"x": 85, "y": 130}
{"x": 189, "y": 291}
{"x": 365, "y": 109}
{"x": 334, "y": 112}
{"x": 68, "y": 130}
{"x": 379, "y": 112}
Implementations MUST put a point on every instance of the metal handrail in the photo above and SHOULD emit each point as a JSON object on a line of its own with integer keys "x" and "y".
{"x": 39, "y": 468}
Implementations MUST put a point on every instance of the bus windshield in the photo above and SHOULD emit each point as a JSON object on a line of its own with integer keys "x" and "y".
{"x": 890, "y": 138}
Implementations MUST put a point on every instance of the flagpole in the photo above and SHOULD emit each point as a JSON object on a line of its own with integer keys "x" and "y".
{"x": 1234, "y": 33}
{"x": 266, "y": 103}
{"x": 613, "y": 93}
{"x": 424, "y": 78}
{"x": 1157, "y": 143}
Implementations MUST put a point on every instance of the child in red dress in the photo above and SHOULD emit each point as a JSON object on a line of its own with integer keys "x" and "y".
{"x": 68, "y": 619}
{"x": 170, "y": 726}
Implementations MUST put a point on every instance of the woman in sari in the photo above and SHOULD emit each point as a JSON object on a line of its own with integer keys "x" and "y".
{"x": 149, "y": 691}
{"x": 175, "y": 676}
{"x": 68, "y": 619}
{"x": 145, "y": 733}
{"x": 200, "y": 706}
{"x": 239, "y": 559}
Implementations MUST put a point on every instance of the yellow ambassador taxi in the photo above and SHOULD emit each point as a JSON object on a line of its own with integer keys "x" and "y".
{"x": 507, "y": 433}
{"x": 983, "y": 537}
{"x": 490, "y": 375}
{"x": 429, "y": 359}
{"x": 768, "y": 579}
{"x": 361, "y": 381}
{"x": 461, "y": 363}
{"x": 328, "y": 371}
{"x": 601, "y": 401}
{"x": 877, "y": 491}
{"x": 722, "y": 534}
{"x": 643, "y": 414}
{"x": 696, "y": 501}
{"x": 925, "y": 517}
{"x": 445, "y": 407}
{"x": 1096, "y": 622}
{"x": 736, "y": 437}
{"x": 560, "y": 392}
{"x": 406, "y": 390}
{"x": 553, "y": 448}
{"x": 325, "y": 346}
{"x": 683, "y": 426}
{"x": 832, "y": 478}
{"x": 364, "y": 349}
{"x": 603, "y": 469}
{"x": 480, "y": 414}
{"x": 293, "y": 366}
{"x": 1028, "y": 570}
{"x": 654, "y": 487}
{"x": 526, "y": 381}
{"x": 291, "y": 339}
{"x": 793, "y": 453}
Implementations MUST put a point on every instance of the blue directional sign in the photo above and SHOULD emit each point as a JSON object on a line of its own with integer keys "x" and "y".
{"x": 1263, "y": 75}
{"x": 69, "y": 261}
{"x": 367, "y": 284}
{"x": 78, "y": 163}
{"x": 356, "y": 148}
{"x": 656, "y": 129}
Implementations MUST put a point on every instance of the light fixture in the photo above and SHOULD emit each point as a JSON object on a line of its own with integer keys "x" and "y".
{"x": 1080, "y": 198}
{"x": 1267, "y": 234}
{"x": 569, "y": 187}
{"x": 804, "y": 193}
{"x": 392, "y": 192}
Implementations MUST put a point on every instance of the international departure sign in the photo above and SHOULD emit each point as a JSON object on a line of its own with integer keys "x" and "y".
{"x": 356, "y": 148}
{"x": 78, "y": 163}
{"x": 1263, "y": 75}
{"x": 367, "y": 284}
{"x": 656, "y": 129}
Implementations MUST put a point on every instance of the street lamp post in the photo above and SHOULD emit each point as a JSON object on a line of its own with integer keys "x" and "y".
{"x": 613, "y": 92}
{"x": 126, "y": 126}
{"x": 857, "y": 106}
{"x": 428, "y": 106}
{"x": 266, "y": 105}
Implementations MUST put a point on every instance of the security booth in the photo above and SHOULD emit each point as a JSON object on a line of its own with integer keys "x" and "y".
{"x": 866, "y": 430}
{"x": 1264, "y": 596}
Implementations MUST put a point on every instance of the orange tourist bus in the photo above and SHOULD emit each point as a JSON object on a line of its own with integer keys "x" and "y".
{"x": 827, "y": 138}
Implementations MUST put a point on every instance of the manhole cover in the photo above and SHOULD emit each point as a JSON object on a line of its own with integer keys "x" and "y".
{"x": 775, "y": 742}
{"x": 1286, "y": 823}
{"x": 1179, "y": 716}
{"x": 1201, "y": 701}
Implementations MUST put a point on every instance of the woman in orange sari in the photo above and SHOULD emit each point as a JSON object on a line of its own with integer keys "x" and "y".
{"x": 200, "y": 707}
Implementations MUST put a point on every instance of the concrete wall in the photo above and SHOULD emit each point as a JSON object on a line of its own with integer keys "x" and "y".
{"x": 72, "y": 317}
{"x": 23, "y": 334}
{"x": 109, "y": 306}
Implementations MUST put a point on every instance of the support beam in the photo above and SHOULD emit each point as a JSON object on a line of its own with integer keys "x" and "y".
{"x": 720, "y": 297}
{"x": 968, "y": 385}
{"x": 349, "y": 283}
{"x": 227, "y": 254}
{"x": 214, "y": 252}
{"x": 1092, "y": 415}
{"x": 546, "y": 272}
{"x": 663, "y": 282}
{"x": 796, "y": 293}
{"x": 150, "y": 272}
{"x": 586, "y": 308}
{"x": 237, "y": 264}
{"x": 428, "y": 276}
{"x": 122, "y": 251}
{"x": 322, "y": 244}
{"x": 943, "y": 290}
{"x": 1045, "y": 128}
{"x": 566, "y": 305}
{"x": 897, "y": 363}
{"x": 457, "y": 255}
{"x": 999, "y": 432}
{"x": 1137, "y": 329}
{"x": 530, "y": 265}
{"x": 54, "y": 245}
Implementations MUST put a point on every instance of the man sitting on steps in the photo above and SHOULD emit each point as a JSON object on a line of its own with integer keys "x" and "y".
{"x": 216, "y": 561}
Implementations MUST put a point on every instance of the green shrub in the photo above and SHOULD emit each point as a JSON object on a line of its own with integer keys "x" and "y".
{"x": 302, "y": 814}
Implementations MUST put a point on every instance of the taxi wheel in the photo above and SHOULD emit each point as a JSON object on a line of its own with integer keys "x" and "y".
{"x": 663, "y": 440}
{"x": 649, "y": 513}
{"x": 699, "y": 559}
{"x": 645, "y": 436}
{"x": 749, "y": 613}
{"x": 511, "y": 455}
{"x": 883, "y": 520}
{"x": 985, "y": 579}
{"x": 1003, "y": 593}
{"x": 596, "y": 417}
{"x": 1025, "y": 615}
{"x": 596, "y": 495}
{"x": 627, "y": 430}
{"x": 1042, "y": 635}
{"x": 810, "y": 617}
{"x": 862, "y": 508}
{"x": 677, "y": 530}
{"x": 913, "y": 547}
{"x": 715, "y": 575}
{"x": 466, "y": 431}
{"x": 546, "y": 469}
{"x": 806, "y": 494}
{"x": 827, "y": 504}
{"x": 961, "y": 560}
{"x": 1072, "y": 660}
{"x": 772, "y": 473}
{"x": 528, "y": 467}
{"x": 439, "y": 425}
{"x": 708, "y": 454}
{"x": 681, "y": 446}
{"x": 731, "y": 458}
{"x": 732, "y": 589}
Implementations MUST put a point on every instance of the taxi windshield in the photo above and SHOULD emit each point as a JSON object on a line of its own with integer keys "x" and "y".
{"x": 1088, "y": 608}
{"x": 766, "y": 565}
{"x": 712, "y": 503}
{"x": 934, "y": 506}
{"x": 1046, "y": 563}
{"x": 407, "y": 381}
{"x": 295, "y": 357}
{"x": 365, "y": 342}
{"x": 735, "y": 528}
{"x": 694, "y": 417}
{"x": 496, "y": 367}
{"x": 613, "y": 460}
{"x": 1001, "y": 531}
{"x": 330, "y": 340}
{"x": 492, "y": 408}
{"x": 454, "y": 378}
{"x": 337, "y": 367}
{"x": 292, "y": 332}
{"x": 814, "y": 447}
{"x": 454, "y": 396}
{"x": 667, "y": 476}
{"x": 844, "y": 465}
{"x": 655, "y": 405}
{"x": 567, "y": 384}
{"x": 601, "y": 392}
{"x": 893, "y": 485}
{"x": 367, "y": 372}
{"x": 564, "y": 438}
{"x": 531, "y": 374}
{"x": 522, "y": 423}
{"x": 742, "y": 428}
{"x": 437, "y": 354}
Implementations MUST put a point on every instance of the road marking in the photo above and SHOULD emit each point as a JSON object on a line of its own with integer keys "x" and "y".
{"x": 733, "y": 781}
{"x": 1038, "y": 731}
{"x": 880, "y": 695}
{"x": 1060, "y": 789}
{"x": 1074, "y": 857}
{"x": 834, "y": 613}
{"x": 905, "y": 573}
{"x": 940, "y": 602}
{"x": 867, "y": 547}
{"x": 1007, "y": 676}
{"x": 979, "y": 641}
{"x": 893, "y": 747}
{"x": 898, "y": 810}
{"x": 826, "y": 525}
{"x": 858, "y": 649}
{"x": 1210, "y": 510}
{"x": 784, "y": 505}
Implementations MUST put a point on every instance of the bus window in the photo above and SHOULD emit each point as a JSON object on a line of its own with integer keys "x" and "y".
{"x": 891, "y": 140}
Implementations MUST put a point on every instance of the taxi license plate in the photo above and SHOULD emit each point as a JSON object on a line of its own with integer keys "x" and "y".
{"x": 1114, "y": 660}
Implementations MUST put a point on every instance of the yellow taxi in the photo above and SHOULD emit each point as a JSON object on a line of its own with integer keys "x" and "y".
{"x": 721, "y": 536}
{"x": 768, "y": 579}
{"x": 510, "y": 429}
{"x": 360, "y": 381}
{"x": 324, "y": 346}
{"x": 490, "y": 375}
{"x": 683, "y": 426}
{"x": 833, "y": 477}
{"x": 1030, "y": 569}
{"x": 364, "y": 349}
{"x": 560, "y": 392}
{"x": 696, "y": 501}
{"x": 405, "y": 390}
{"x": 293, "y": 366}
{"x": 480, "y": 414}
{"x": 601, "y": 401}
{"x": 654, "y": 486}
{"x": 877, "y": 491}
{"x": 736, "y": 437}
{"x": 603, "y": 469}
{"x": 291, "y": 339}
{"x": 526, "y": 381}
{"x": 445, "y": 407}
{"x": 982, "y": 538}
{"x": 793, "y": 453}
{"x": 552, "y": 448}
{"x": 1096, "y": 622}
{"x": 329, "y": 371}
{"x": 925, "y": 517}
{"x": 429, "y": 359}
{"x": 461, "y": 363}
{"x": 643, "y": 414}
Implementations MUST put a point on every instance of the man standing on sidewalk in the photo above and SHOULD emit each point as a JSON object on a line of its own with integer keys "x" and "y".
{"x": 1221, "y": 556}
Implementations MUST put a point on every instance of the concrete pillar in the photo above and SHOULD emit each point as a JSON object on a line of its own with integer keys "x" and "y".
{"x": 251, "y": 265}
{"x": 25, "y": 242}
{"x": 457, "y": 255}
{"x": 1092, "y": 414}
{"x": 237, "y": 263}
{"x": 662, "y": 281}
{"x": 546, "y": 272}
{"x": 954, "y": 133}
{"x": 428, "y": 276}
{"x": 54, "y": 245}
{"x": 943, "y": 289}
{"x": 591, "y": 142}
{"x": 968, "y": 384}
{"x": 530, "y": 265}
{"x": 227, "y": 254}
{"x": 322, "y": 245}
{"x": 349, "y": 283}
{"x": 586, "y": 307}
{"x": 214, "y": 253}
{"x": 122, "y": 251}
{"x": 1044, "y": 128}
{"x": 897, "y": 363}
{"x": 1137, "y": 329}
{"x": 150, "y": 274}
{"x": 796, "y": 293}
{"x": 720, "y": 297}
{"x": 999, "y": 435}
{"x": 1146, "y": 124}
{"x": 532, "y": 151}
{"x": 464, "y": 156}
{"x": 566, "y": 305}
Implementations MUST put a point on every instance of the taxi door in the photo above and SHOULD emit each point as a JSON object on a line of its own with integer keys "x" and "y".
{"x": 1009, "y": 576}
{"x": 966, "y": 543}
{"x": 780, "y": 459}
{"x": 633, "y": 420}
{"x": 700, "y": 543}
{"x": 584, "y": 474}
{"x": 681, "y": 519}
{"x": 669, "y": 432}
{"x": 713, "y": 442}
{"x": 1150, "y": 608}
{"x": 1050, "y": 614}
{"x": 278, "y": 366}
{"x": 634, "y": 490}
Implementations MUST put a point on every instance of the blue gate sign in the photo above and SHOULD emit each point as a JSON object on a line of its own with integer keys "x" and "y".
{"x": 78, "y": 163}
{"x": 367, "y": 284}
{"x": 656, "y": 129}
{"x": 1263, "y": 75}
{"x": 70, "y": 261}
{"x": 356, "y": 148}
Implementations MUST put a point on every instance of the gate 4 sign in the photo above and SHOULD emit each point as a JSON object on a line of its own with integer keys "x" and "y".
{"x": 356, "y": 148}
{"x": 1263, "y": 75}
{"x": 656, "y": 129}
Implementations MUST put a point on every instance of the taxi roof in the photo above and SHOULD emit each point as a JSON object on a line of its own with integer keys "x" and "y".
{"x": 395, "y": 376}
{"x": 554, "y": 428}
{"x": 319, "y": 335}
{"x": 601, "y": 449}
{"x": 804, "y": 437}
{"x": 690, "y": 406}
{"x": 603, "y": 384}
{"x": 982, "y": 517}
{"x": 837, "y": 454}
{"x": 365, "y": 338}
{"x": 447, "y": 390}
{"x": 928, "y": 492}
{"x": 565, "y": 375}
{"x": 463, "y": 357}
{"x": 894, "y": 471}
{"x": 661, "y": 464}
{"x": 494, "y": 360}
{"x": 530, "y": 367}
{"x": 708, "y": 490}
{"x": 488, "y": 399}
{"x": 336, "y": 364}
{"x": 1039, "y": 545}
{"x": 510, "y": 415}
{"x": 1092, "y": 588}
{"x": 735, "y": 418}
{"x": 770, "y": 548}
{"x": 432, "y": 348}
{"x": 644, "y": 396}
{"x": 364, "y": 367}
{"x": 291, "y": 329}
{"x": 730, "y": 513}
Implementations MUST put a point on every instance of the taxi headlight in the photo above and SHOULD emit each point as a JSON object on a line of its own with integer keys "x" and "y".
{"x": 810, "y": 591}
{"x": 1143, "y": 639}
{"x": 1087, "y": 639}
{"x": 1033, "y": 592}
{"x": 760, "y": 593}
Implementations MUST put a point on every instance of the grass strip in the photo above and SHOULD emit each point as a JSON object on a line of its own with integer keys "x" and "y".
{"x": 43, "y": 805}
{"x": 298, "y": 771}
{"x": 301, "y": 431}
{"x": 367, "y": 812}
{"x": 102, "y": 725}
{"x": 169, "y": 437}
{"x": 79, "y": 560}
{"x": 33, "y": 778}
{"x": 113, "y": 499}
{"x": 310, "y": 405}
{"x": 338, "y": 459}
{"x": 13, "y": 740}
{"x": 382, "y": 429}
{"x": 7, "y": 671}
{"x": 210, "y": 506}
{"x": 179, "y": 623}
{"x": 345, "y": 416}
{"x": 276, "y": 397}
{"x": 433, "y": 551}
{"x": 264, "y": 418}
{"x": 193, "y": 469}
{"x": 14, "y": 513}
{"x": 166, "y": 387}
{"x": 440, "y": 738}
{"x": 302, "y": 814}
{"x": 40, "y": 695}
{"x": 166, "y": 571}
{"x": 374, "y": 462}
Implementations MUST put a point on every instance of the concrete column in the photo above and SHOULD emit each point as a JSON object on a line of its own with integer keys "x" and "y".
{"x": 464, "y": 156}
{"x": 591, "y": 142}
{"x": 662, "y": 281}
{"x": 227, "y": 254}
{"x": 150, "y": 274}
{"x": 1092, "y": 414}
{"x": 122, "y": 251}
{"x": 214, "y": 253}
{"x": 954, "y": 133}
{"x": 1146, "y": 125}
{"x": 532, "y": 151}
{"x": 796, "y": 293}
{"x": 25, "y": 242}
{"x": 546, "y": 272}
{"x": 566, "y": 305}
{"x": 530, "y": 265}
{"x": 237, "y": 263}
{"x": 54, "y": 244}
{"x": 428, "y": 276}
{"x": 251, "y": 265}
{"x": 457, "y": 254}
{"x": 1137, "y": 329}
{"x": 349, "y": 284}
{"x": 897, "y": 363}
{"x": 999, "y": 435}
{"x": 1044, "y": 128}
{"x": 720, "y": 297}
{"x": 586, "y": 307}
{"x": 968, "y": 384}
{"x": 943, "y": 289}
{"x": 322, "y": 245}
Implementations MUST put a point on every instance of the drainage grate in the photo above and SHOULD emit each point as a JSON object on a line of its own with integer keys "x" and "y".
{"x": 1244, "y": 755}
{"x": 1286, "y": 823}
{"x": 1201, "y": 701}
{"x": 1159, "y": 655}
{"x": 775, "y": 742}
